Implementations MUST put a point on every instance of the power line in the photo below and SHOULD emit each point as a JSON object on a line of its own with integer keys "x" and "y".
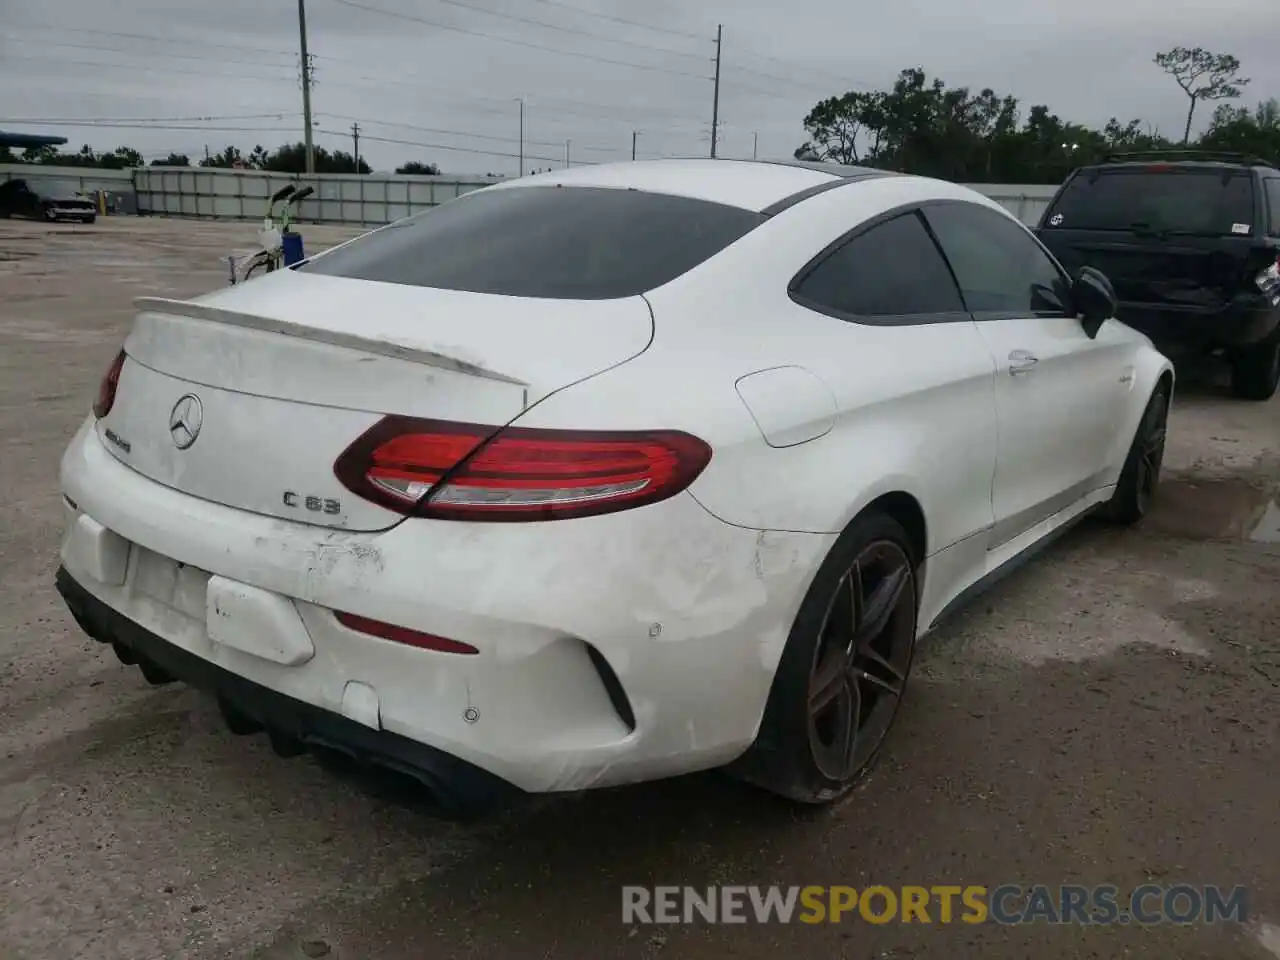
{"x": 802, "y": 85}
{"x": 457, "y": 95}
{"x": 827, "y": 77}
{"x": 602, "y": 111}
{"x": 140, "y": 98}
{"x": 630, "y": 23}
{"x": 242, "y": 48}
{"x": 519, "y": 43}
{"x": 124, "y": 66}
{"x": 571, "y": 30}
{"x": 174, "y": 56}
{"x": 705, "y": 38}
{"x": 461, "y": 133}
{"x": 161, "y": 124}
{"x": 90, "y": 121}
{"x": 156, "y": 126}
{"x": 440, "y": 146}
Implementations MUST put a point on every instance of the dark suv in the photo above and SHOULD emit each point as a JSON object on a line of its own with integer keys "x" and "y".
{"x": 1184, "y": 237}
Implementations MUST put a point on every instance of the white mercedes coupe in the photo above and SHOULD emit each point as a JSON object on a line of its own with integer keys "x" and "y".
{"x": 603, "y": 475}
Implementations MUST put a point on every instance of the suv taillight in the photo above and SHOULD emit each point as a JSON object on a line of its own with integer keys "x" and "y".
{"x": 463, "y": 471}
{"x": 107, "y": 389}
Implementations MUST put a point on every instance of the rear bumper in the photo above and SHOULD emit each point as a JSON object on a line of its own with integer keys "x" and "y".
{"x": 1182, "y": 331}
{"x": 292, "y": 725}
{"x": 613, "y": 649}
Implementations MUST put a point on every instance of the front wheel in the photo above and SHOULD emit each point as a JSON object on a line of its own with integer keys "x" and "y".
{"x": 1140, "y": 475}
{"x": 844, "y": 669}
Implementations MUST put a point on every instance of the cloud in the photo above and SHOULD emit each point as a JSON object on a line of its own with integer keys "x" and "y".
{"x": 446, "y": 74}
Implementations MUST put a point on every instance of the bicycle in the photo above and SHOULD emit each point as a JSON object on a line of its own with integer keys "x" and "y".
{"x": 270, "y": 255}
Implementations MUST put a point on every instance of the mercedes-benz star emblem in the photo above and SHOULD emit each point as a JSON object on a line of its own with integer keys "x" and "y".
{"x": 185, "y": 421}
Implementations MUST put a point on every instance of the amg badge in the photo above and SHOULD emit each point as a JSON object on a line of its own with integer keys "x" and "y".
{"x": 297, "y": 501}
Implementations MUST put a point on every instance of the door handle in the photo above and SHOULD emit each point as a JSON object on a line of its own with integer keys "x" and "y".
{"x": 1022, "y": 361}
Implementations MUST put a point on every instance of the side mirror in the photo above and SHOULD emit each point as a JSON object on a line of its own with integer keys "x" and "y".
{"x": 1094, "y": 298}
{"x": 303, "y": 194}
{"x": 282, "y": 193}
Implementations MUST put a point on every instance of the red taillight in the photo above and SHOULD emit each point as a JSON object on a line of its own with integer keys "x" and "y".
{"x": 411, "y": 638}
{"x": 474, "y": 472}
{"x": 107, "y": 389}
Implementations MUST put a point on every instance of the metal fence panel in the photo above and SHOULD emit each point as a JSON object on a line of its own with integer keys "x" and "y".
{"x": 367, "y": 200}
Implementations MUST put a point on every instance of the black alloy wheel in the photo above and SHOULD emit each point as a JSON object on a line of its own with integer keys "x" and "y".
{"x": 861, "y": 660}
{"x": 844, "y": 668}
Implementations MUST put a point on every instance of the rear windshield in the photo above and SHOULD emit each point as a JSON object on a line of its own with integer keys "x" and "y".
{"x": 578, "y": 243}
{"x": 1210, "y": 202}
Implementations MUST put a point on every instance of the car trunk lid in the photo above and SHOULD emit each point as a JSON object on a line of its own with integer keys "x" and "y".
{"x": 248, "y": 396}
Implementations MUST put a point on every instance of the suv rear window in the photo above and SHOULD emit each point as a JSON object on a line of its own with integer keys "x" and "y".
{"x": 575, "y": 243}
{"x": 1201, "y": 202}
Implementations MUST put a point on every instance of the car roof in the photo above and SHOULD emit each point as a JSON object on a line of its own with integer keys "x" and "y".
{"x": 755, "y": 185}
{"x": 1189, "y": 159}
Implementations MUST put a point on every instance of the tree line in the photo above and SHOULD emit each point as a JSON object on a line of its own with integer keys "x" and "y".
{"x": 920, "y": 125}
{"x": 923, "y": 126}
{"x": 289, "y": 158}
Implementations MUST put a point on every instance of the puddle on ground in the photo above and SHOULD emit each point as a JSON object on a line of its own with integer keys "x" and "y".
{"x": 1226, "y": 509}
{"x": 1268, "y": 528}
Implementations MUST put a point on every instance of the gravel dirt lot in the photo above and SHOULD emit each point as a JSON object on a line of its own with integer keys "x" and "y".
{"x": 1110, "y": 714}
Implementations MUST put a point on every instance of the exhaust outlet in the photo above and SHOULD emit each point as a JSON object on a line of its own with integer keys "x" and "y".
{"x": 237, "y": 722}
{"x": 284, "y": 744}
{"x": 154, "y": 675}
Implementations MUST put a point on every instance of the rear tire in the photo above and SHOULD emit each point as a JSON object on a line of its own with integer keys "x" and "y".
{"x": 1140, "y": 476}
{"x": 1255, "y": 370}
{"x": 844, "y": 669}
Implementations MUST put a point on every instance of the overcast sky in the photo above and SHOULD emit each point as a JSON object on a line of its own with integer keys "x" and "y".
{"x": 451, "y": 81}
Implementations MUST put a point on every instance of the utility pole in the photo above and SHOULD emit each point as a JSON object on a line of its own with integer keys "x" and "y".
{"x": 520, "y": 100}
{"x": 355, "y": 136}
{"x": 633, "y": 143}
{"x": 715, "y": 103}
{"x": 755, "y": 146}
{"x": 306, "y": 85}
{"x": 566, "y": 153}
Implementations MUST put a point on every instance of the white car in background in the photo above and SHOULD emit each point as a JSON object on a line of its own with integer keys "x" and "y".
{"x": 604, "y": 475}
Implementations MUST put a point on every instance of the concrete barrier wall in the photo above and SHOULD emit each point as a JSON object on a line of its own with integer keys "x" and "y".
{"x": 339, "y": 198}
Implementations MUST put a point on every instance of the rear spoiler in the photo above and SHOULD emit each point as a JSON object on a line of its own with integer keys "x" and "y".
{"x": 353, "y": 341}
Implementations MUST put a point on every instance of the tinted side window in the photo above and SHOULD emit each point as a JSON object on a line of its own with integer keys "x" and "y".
{"x": 586, "y": 243}
{"x": 892, "y": 270}
{"x": 1001, "y": 269}
{"x": 1273, "y": 202}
